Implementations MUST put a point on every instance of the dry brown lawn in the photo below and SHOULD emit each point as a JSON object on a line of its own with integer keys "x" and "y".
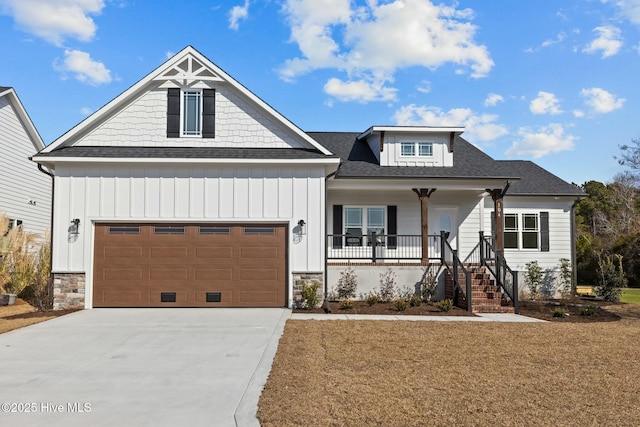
{"x": 22, "y": 314}
{"x": 393, "y": 373}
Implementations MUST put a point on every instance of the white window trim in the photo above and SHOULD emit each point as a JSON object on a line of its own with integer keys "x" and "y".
{"x": 416, "y": 150}
{"x": 183, "y": 112}
{"x": 365, "y": 220}
{"x": 520, "y": 230}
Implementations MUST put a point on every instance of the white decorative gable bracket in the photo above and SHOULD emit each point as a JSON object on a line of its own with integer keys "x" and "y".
{"x": 188, "y": 71}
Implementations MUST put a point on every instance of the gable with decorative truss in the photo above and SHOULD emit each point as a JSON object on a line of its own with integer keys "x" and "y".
{"x": 188, "y": 102}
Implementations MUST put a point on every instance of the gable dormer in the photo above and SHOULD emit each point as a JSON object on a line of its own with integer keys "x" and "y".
{"x": 412, "y": 145}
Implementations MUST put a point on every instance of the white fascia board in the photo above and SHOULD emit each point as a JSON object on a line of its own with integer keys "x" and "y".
{"x": 156, "y": 75}
{"x": 480, "y": 184}
{"x": 410, "y": 129}
{"x": 173, "y": 160}
{"x": 12, "y": 96}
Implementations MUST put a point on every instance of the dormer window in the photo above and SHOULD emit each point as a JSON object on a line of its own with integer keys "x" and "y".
{"x": 190, "y": 113}
{"x": 423, "y": 149}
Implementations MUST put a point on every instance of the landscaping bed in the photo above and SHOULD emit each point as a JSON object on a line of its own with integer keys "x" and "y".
{"x": 22, "y": 314}
{"x": 576, "y": 310}
{"x": 388, "y": 308}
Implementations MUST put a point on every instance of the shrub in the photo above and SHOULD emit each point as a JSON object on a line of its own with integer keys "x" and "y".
{"x": 19, "y": 258}
{"x": 346, "y": 304}
{"x": 415, "y": 301}
{"x": 372, "y": 299}
{"x": 589, "y": 310}
{"x": 310, "y": 295}
{"x": 428, "y": 283}
{"x": 444, "y": 305}
{"x": 400, "y": 304}
{"x": 560, "y": 312}
{"x": 387, "y": 285}
{"x": 38, "y": 293}
{"x": 611, "y": 278}
{"x": 566, "y": 277}
{"x": 533, "y": 279}
{"x": 347, "y": 284}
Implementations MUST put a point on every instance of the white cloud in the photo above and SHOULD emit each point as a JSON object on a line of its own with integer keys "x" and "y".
{"x": 630, "y": 9}
{"x": 238, "y": 13}
{"x": 55, "y": 20}
{"x": 545, "y": 103}
{"x": 600, "y": 101}
{"x": 549, "y": 42}
{"x": 493, "y": 99}
{"x": 609, "y": 41}
{"x": 537, "y": 143}
{"x": 370, "y": 42}
{"x": 85, "y": 111}
{"x": 578, "y": 113}
{"x": 85, "y": 69}
{"x": 360, "y": 90}
{"x": 425, "y": 87}
{"x": 168, "y": 54}
{"x": 478, "y": 127}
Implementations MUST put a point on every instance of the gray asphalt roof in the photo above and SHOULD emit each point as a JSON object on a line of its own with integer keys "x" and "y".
{"x": 469, "y": 162}
{"x": 186, "y": 153}
{"x": 3, "y": 88}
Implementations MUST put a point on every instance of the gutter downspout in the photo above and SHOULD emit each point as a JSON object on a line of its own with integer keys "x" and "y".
{"x": 325, "y": 303}
{"x": 53, "y": 192}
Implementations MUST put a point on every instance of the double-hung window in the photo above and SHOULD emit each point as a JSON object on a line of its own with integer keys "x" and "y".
{"x": 521, "y": 231}
{"x": 361, "y": 222}
{"x": 191, "y": 113}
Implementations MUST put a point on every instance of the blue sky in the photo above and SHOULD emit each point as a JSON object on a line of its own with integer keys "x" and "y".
{"x": 556, "y": 82}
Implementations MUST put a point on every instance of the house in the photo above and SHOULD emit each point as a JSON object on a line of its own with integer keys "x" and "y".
{"x": 25, "y": 192}
{"x": 188, "y": 190}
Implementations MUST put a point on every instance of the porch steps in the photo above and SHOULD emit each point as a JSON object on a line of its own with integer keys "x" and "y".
{"x": 486, "y": 296}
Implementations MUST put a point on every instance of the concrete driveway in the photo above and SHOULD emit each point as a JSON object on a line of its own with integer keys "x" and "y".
{"x": 137, "y": 367}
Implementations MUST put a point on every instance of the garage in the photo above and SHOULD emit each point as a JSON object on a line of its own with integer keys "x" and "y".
{"x": 190, "y": 265}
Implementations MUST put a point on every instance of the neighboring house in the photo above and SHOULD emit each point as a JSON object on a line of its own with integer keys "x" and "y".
{"x": 25, "y": 192}
{"x": 189, "y": 190}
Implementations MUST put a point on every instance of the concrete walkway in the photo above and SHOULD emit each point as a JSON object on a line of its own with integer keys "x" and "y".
{"x": 481, "y": 317}
{"x": 139, "y": 367}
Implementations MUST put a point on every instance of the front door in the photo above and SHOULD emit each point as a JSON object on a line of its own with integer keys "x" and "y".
{"x": 444, "y": 219}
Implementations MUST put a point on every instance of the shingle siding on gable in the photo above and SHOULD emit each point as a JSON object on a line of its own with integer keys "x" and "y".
{"x": 20, "y": 179}
{"x": 237, "y": 124}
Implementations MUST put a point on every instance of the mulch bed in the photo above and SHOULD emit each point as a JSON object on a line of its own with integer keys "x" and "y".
{"x": 543, "y": 309}
{"x": 22, "y": 314}
{"x": 540, "y": 309}
{"x": 360, "y": 307}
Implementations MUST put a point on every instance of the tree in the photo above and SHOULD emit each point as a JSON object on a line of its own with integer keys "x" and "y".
{"x": 630, "y": 156}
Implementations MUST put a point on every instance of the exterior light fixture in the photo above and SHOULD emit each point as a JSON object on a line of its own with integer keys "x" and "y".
{"x": 302, "y": 227}
{"x": 75, "y": 226}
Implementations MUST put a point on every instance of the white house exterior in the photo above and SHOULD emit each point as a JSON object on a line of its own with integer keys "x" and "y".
{"x": 25, "y": 192}
{"x": 188, "y": 190}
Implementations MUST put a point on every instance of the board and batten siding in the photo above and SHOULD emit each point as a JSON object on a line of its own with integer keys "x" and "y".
{"x": 25, "y": 192}
{"x": 197, "y": 194}
{"x": 560, "y": 243}
{"x": 238, "y": 123}
{"x": 390, "y": 155}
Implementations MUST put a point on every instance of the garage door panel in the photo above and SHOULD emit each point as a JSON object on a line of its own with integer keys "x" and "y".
{"x": 169, "y": 252}
{"x": 168, "y": 273}
{"x": 122, "y": 274}
{"x": 214, "y": 274}
{"x": 123, "y": 252}
{"x": 225, "y": 252}
{"x": 224, "y": 261}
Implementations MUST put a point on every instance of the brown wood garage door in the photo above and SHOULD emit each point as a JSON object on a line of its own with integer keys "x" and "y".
{"x": 189, "y": 265}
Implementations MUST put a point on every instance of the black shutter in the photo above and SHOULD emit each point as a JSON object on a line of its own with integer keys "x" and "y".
{"x": 208, "y": 113}
{"x": 544, "y": 231}
{"x": 173, "y": 113}
{"x": 392, "y": 227}
{"x": 337, "y": 226}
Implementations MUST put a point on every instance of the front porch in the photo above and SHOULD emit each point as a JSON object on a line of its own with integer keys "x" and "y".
{"x": 480, "y": 282}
